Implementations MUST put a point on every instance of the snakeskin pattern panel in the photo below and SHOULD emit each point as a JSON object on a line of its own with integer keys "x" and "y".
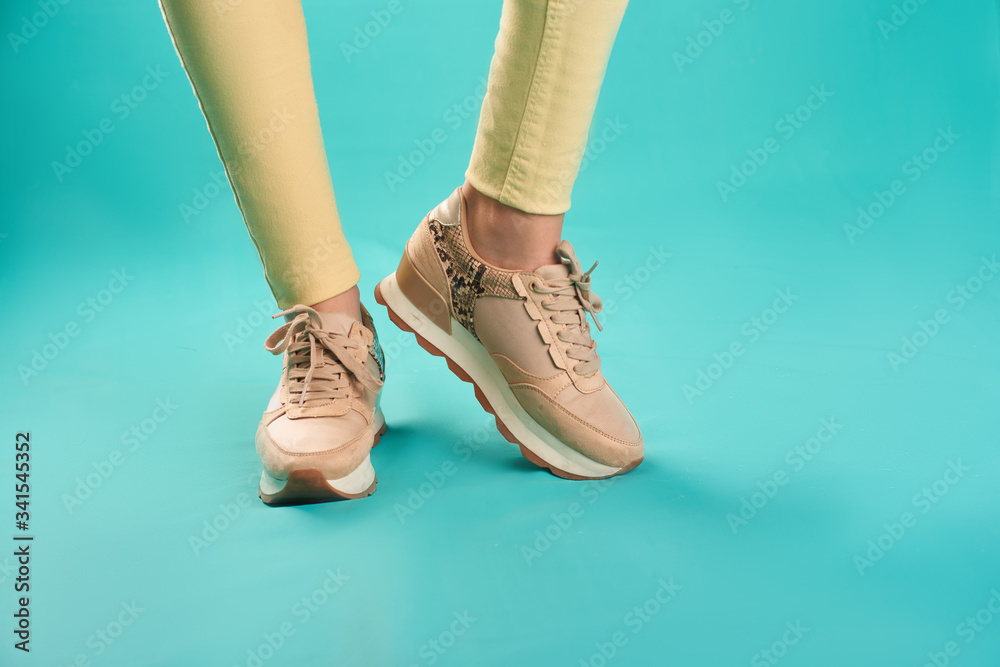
{"x": 469, "y": 278}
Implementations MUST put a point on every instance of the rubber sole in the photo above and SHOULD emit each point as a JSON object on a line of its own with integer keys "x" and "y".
{"x": 544, "y": 452}
{"x": 307, "y": 486}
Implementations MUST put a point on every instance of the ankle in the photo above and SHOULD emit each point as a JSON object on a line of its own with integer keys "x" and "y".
{"x": 507, "y": 237}
{"x": 348, "y": 302}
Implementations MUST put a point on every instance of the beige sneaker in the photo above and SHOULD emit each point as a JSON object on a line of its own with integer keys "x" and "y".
{"x": 322, "y": 421}
{"x": 522, "y": 338}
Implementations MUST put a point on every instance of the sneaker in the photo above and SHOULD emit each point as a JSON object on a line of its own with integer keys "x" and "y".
{"x": 522, "y": 339}
{"x": 322, "y": 421}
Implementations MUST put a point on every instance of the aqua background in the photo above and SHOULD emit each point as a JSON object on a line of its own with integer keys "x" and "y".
{"x": 168, "y": 336}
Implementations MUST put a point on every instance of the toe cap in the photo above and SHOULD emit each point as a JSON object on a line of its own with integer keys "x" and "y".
{"x": 334, "y": 445}
{"x": 596, "y": 424}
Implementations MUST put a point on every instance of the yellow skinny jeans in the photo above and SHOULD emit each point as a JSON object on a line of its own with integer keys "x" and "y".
{"x": 248, "y": 63}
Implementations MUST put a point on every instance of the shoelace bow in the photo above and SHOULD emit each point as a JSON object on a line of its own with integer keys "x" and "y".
{"x": 573, "y": 300}
{"x": 311, "y": 374}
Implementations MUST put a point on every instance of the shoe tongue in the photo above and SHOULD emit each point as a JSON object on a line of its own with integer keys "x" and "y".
{"x": 562, "y": 270}
{"x": 337, "y": 322}
{"x": 553, "y": 271}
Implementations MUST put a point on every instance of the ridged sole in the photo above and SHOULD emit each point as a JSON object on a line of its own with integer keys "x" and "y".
{"x": 307, "y": 486}
{"x": 534, "y": 446}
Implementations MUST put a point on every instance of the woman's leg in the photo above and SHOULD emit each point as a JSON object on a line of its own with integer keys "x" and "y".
{"x": 544, "y": 81}
{"x": 485, "y": 279}
{"x": 249, "y": 66}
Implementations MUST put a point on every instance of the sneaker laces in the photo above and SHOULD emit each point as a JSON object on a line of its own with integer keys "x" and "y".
{"x": 320, "y": 362}
{"x": 571, "y": 300}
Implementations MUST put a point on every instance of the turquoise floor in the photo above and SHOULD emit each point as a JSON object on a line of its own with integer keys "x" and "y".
{"x": 795, "y": 208}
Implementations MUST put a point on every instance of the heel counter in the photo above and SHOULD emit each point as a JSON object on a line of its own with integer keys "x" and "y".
{"x": 422, "y": 279}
